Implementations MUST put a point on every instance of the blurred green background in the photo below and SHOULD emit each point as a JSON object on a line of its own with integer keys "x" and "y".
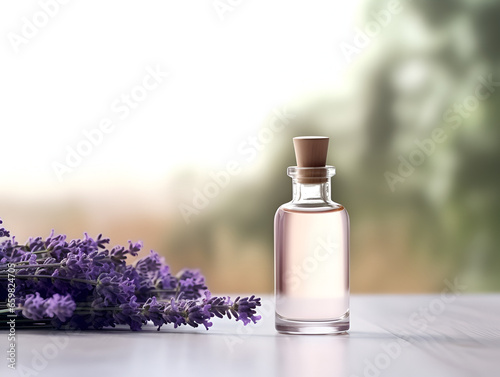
{"x": 421, "y": 66}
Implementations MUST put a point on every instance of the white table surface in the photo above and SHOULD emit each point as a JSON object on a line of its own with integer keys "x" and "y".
{"x": 391, "y": 335}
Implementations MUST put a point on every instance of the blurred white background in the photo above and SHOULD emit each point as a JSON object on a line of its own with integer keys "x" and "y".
{"x": 229, "y": 67}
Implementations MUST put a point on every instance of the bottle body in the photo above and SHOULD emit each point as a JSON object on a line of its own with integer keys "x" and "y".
{"x": 311, "y": 235}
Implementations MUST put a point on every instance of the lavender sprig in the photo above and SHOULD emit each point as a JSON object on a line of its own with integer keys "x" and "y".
{"x": 4, "y": 232}
{"x": 82, "y": 284}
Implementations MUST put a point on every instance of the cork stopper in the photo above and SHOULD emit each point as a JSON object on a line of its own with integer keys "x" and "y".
{"x": 311, "y": 152}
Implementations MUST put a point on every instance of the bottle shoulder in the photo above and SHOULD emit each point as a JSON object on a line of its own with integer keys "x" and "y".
{"x": 318, "y": 208}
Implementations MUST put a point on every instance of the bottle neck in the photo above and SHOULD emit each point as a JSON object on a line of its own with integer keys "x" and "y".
{"x": 313, "y": 194}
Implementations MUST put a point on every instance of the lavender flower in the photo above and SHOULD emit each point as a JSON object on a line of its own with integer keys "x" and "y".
{"x": 150, "y": 264}
{"x": 147, "y": 270}
{"x": 114, "y": 289}
{"x": 4, "y": 232}
{"x": 34, "y": 306}
{"x": 130, "y": 314}
{"x": 81, "y": 284}
{"x": 10, "y": 251}
{"x": 245, "y": 309}
{"x": 165, "y": 280}
{"x": 191, "y": 284}
{"x": 173, "y": 314}
{"x": 59, "y": 306}
{"x": 153, "y": 311}
{"x": 119, "y": 253}
{"x": 198, "y": 314}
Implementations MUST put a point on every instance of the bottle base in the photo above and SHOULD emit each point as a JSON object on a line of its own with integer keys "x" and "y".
{"x": 336, "y": 326}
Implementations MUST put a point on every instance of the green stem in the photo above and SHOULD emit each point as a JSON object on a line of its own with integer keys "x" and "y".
{"x": 26, "y": 248}
{"x": 8, "y": 310}
{"x": 41, "y": 251}
{"x": 51, "y": 277}
{"x": 90, "y": 310}
{"x": 177, "y": 291}
{"x": 34, "y": 266}
{"x": 25, "y": 261}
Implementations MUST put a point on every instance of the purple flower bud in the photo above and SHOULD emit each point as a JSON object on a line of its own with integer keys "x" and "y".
{"x": 245, "y": 308}
{"x": 59, "y": 306}
{"x": 3, "y": 232}
{"x": 34, "y": 306}
{"x": 129, "y": 313}
{"x": 114, "y": 289}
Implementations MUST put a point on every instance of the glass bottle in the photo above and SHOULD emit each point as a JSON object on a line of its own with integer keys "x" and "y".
{"x": 311, "y": 249}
